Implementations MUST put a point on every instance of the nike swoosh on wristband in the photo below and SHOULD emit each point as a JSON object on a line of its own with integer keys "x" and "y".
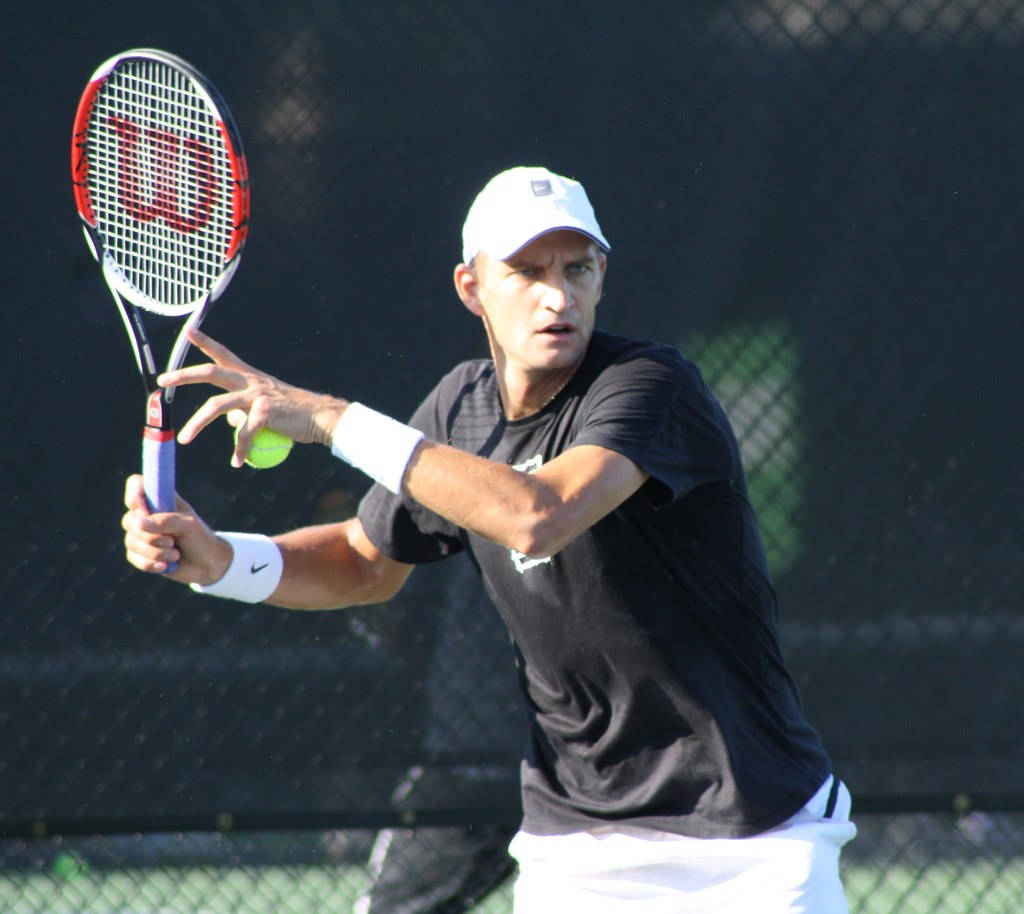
{"x": 256, "y": 569}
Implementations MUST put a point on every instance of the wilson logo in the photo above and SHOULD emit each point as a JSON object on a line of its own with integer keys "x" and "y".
{"x": 155, "y": 410}
{"x": 153, "y": 165}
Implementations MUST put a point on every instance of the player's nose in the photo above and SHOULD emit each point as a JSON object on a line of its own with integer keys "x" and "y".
{"x": 557, "y": 295}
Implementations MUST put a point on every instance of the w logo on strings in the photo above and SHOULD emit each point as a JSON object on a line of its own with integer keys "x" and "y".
{"x": 153, "y": 164}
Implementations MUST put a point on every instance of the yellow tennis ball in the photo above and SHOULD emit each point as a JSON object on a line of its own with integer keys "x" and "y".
{"x": 269, "y": 448}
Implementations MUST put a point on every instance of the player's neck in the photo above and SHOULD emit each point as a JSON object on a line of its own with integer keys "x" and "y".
{"x": 523, "y": 395}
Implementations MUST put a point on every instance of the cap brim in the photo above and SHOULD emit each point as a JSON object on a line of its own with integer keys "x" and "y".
{"x": 511, "y": 247}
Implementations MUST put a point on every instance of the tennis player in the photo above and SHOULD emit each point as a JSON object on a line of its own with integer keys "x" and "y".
{"x": 597, "y": 485}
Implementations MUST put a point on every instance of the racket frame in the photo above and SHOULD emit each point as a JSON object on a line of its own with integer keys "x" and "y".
{"x": 158, "y": 452}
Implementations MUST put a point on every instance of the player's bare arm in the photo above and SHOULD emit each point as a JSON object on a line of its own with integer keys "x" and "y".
{"x": 536, "y": 514}
{"x": 331, "y": 566}
{"x": 327, "y": 566}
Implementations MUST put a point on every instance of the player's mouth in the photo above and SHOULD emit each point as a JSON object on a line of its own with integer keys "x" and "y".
{"x": 557, "y": 329}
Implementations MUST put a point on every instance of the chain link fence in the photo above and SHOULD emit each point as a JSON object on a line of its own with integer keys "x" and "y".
{"x": 817, "y": 200}
{"x": 908, "y": 862}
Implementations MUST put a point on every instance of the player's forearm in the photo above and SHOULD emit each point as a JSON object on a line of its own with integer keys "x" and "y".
{"x": 533, "y": 513}
{"x": 326, "y": 567}
{"x": 504, "y": 505}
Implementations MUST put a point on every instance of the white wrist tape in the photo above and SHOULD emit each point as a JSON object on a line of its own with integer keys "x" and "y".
{"x": 375, "y": 444}
{"x": 254, "y": 572}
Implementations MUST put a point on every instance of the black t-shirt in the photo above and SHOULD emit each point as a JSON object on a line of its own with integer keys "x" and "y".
{"x": 647, "y": 647}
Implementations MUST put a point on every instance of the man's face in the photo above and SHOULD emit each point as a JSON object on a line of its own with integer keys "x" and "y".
{"x": 540, "y": 304}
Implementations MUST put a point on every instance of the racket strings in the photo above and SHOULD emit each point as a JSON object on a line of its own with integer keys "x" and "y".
{"x": 162, "y": 184}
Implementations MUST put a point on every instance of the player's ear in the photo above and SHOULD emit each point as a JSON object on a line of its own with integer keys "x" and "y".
{"x": 602, "y": 266}
{"x": 467, "y": 286}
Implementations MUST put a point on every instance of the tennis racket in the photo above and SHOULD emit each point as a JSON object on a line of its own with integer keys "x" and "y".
{"x": 162, "y": 189}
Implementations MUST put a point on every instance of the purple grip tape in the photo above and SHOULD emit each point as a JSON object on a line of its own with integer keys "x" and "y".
{"x": 158, "y": 471}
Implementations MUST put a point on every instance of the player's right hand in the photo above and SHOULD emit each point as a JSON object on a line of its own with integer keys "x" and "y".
{"x": 152, "y": 542}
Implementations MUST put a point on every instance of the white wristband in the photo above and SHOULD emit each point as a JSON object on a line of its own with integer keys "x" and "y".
{"x": 375, "y": 444}
{"x": 254, "y": 572}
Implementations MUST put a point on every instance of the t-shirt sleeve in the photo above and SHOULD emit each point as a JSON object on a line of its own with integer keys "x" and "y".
{"x": 655, "y": 409}
{"x": 400, "y": 527}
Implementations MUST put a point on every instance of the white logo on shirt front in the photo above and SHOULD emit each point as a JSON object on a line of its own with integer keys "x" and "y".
{"x": 523, "y": 562}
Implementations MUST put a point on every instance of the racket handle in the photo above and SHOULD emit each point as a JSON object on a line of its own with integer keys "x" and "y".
{"x": 158, "y": 470}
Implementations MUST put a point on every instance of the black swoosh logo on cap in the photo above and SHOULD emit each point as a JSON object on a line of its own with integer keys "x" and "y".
{"x": 256, "y": 569}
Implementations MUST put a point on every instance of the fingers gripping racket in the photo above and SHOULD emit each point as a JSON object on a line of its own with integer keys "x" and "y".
{"x": 162, "y": 188}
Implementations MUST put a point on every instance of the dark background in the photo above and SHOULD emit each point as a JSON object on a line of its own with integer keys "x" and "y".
{"x": 834, "y": 188}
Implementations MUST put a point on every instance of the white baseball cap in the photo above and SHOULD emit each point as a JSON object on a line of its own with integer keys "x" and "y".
{"x": 524, "y": 203}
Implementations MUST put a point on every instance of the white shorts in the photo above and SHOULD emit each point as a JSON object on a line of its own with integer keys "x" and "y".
{"x": 788, "y": 869}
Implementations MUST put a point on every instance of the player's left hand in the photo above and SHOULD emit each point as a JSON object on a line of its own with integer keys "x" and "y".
{"x": 262, "y": 399}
